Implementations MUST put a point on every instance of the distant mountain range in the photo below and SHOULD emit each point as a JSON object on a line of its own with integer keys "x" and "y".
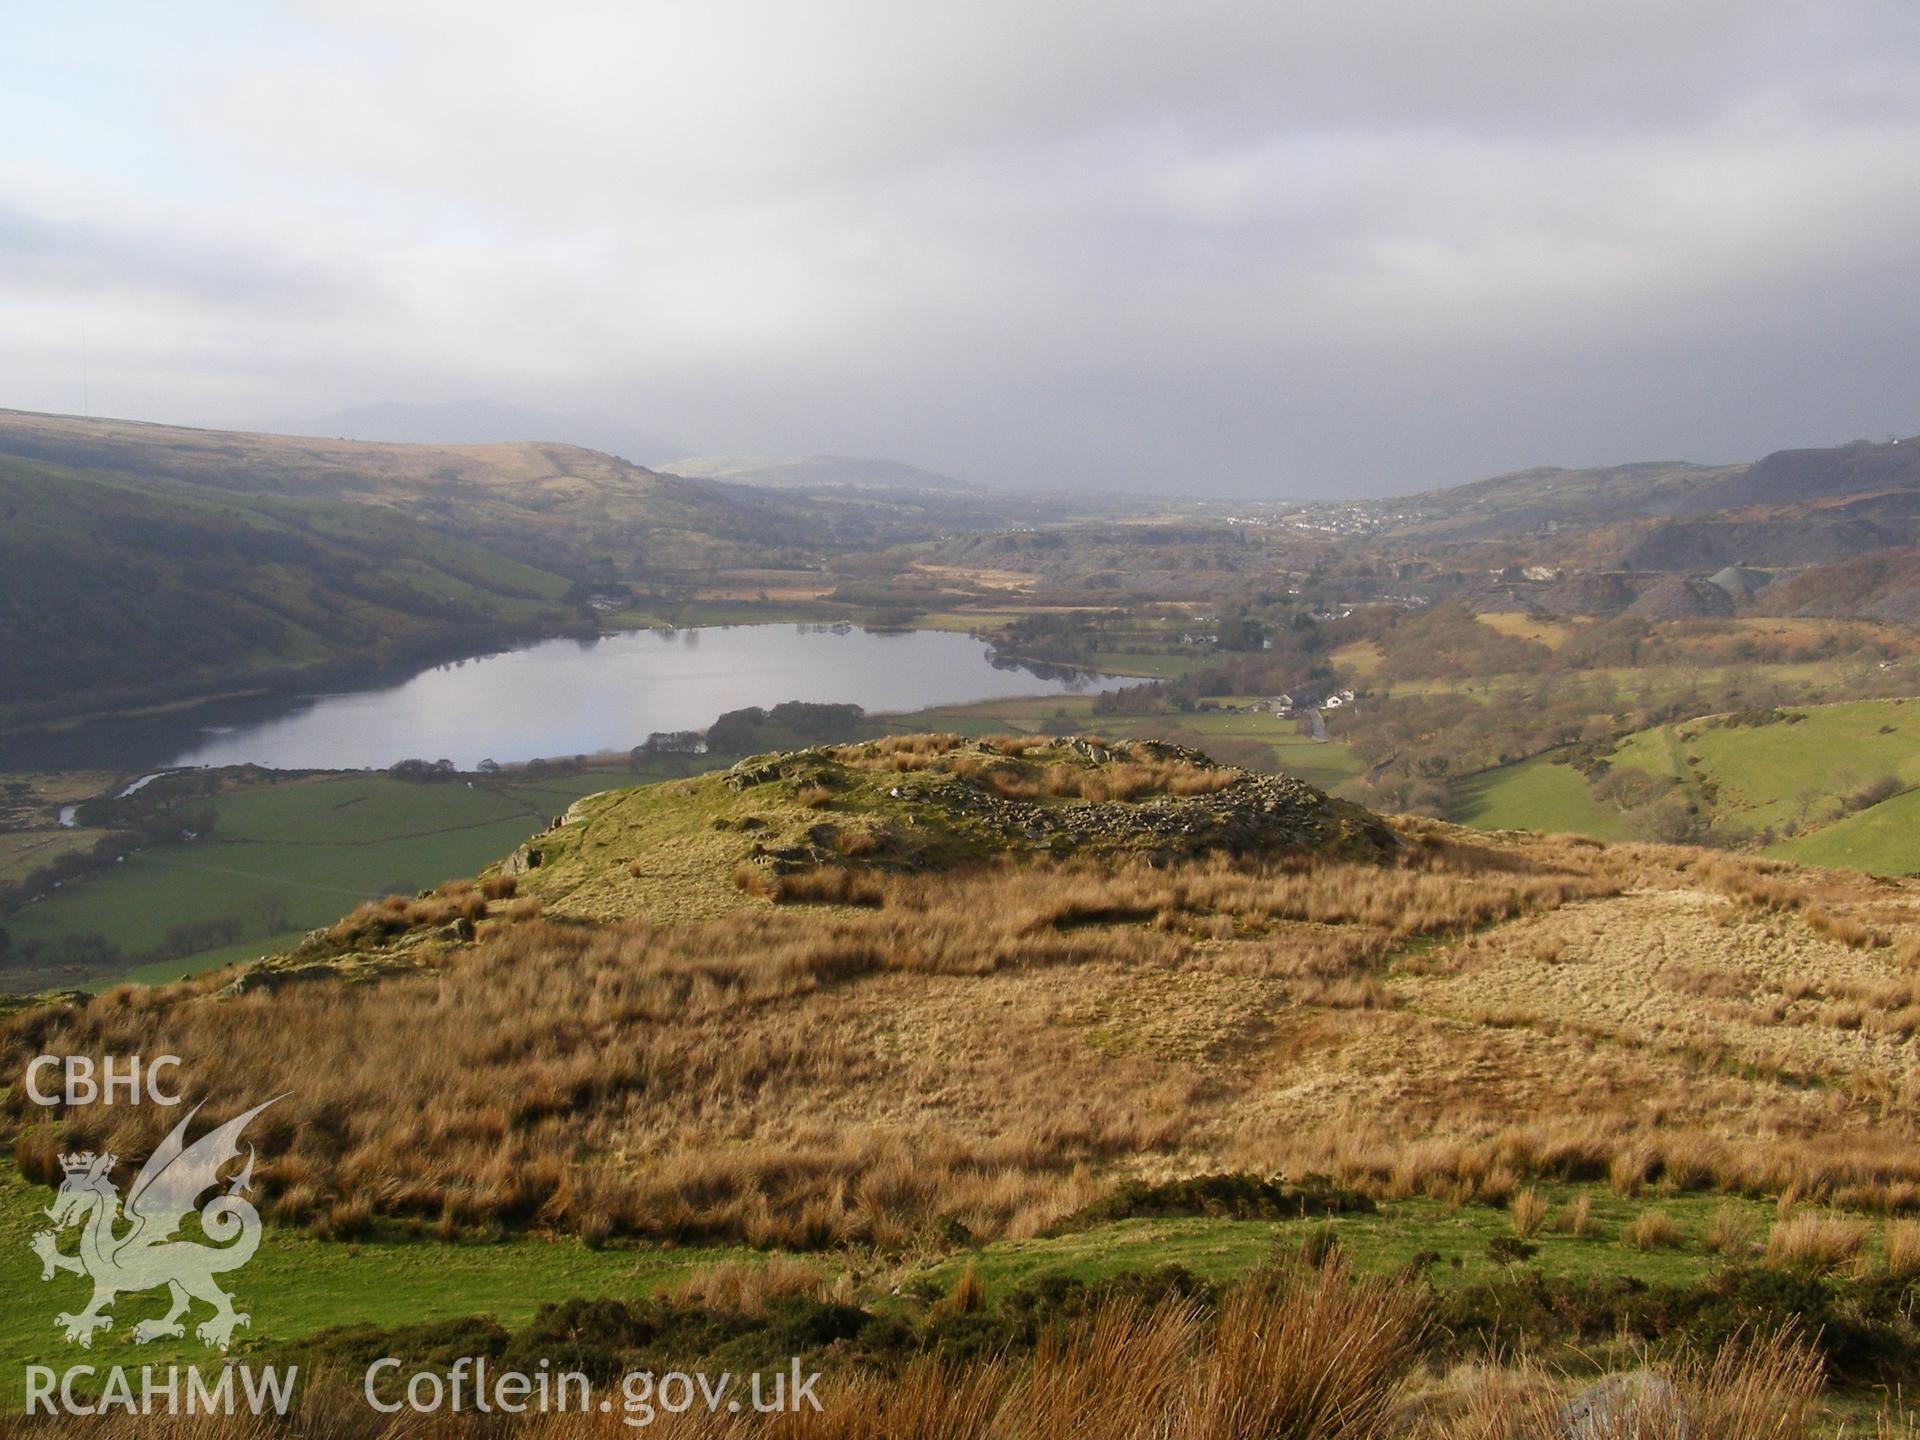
{"x": 1794, "y": 507}
{"x": 1816, "y": 532}
{"x": 142, "y": 561}
{"x": 815, "y": 472}
{"x": 493, "y": 422}
{"x": 478, "y": 422}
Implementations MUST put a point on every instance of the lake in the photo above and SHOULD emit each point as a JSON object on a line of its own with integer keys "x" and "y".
{"x": 557, "y": 698}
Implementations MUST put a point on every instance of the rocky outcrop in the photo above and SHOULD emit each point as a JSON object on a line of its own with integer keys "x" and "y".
{"x": 1249, "y": 813}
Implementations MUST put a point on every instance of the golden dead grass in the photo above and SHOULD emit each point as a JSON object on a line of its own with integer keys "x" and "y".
{"x": 1652, "y": 1230}
{"x": 1731, "y": 1232}
{"x": 1765, "y": 1389}
{"x": 740, "y": 1287}
{"x": 1902, "y": 1243}
{"x": 1816, "y": 1243}
{"x": 1529, "y": 1209}
{"x": 982, "y": 1053}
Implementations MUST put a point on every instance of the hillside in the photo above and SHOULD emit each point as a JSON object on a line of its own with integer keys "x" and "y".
{"x": 116, "y": 587}
{"x": 1529, "y": 500}
{"x": 1791, "y": 508}
{"x": 142, "y": 562}
{"x": 1171, "y": 955}
{"x": 861, "y": 1008}
{"x": 1796, "y": 477}
{"x": 1775, "y": 541}
{"x": 477, "y": 422}
{"x": 558, "y": 507}
{"x": 1880, "y": 586}
{"x": 1830, "y": 784}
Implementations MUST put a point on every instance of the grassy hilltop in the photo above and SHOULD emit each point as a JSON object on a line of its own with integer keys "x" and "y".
{"x": 913, "y": 1046}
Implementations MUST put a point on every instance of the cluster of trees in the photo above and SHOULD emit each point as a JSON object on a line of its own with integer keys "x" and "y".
{"x": 791, "y": 725}
{"x": 1447, "y": 642}
{"x": 1250, "y": 622}
{"x": 81, "y": 956}
{"x": 670, "y": 742}
{"x": 1291, "y": 655}
{"x": 429, "y": 771}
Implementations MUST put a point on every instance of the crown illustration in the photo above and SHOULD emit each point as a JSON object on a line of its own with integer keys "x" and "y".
{"x": 86, "y": 1161}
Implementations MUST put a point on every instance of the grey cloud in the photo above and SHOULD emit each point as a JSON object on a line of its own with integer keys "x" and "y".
{"x": 104, "y": 257}
{"x": 1259, "y": 247}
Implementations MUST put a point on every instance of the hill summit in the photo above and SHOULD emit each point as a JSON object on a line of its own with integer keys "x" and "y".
{"x": 808, "y": 824}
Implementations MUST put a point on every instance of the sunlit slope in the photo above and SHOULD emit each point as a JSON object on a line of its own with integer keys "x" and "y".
{"x": 1819, "y": 784}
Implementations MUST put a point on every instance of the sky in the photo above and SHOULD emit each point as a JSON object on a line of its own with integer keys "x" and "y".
{"x": 1273, "y": 248}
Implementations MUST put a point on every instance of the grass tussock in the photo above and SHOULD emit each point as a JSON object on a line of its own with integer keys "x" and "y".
{"x": 1653, "y": 1230}
{"x": 1731, "y": 1232}
{"x": 1764, "y": 1389}
{"x": 1528, "y": 1210}
{"x": 1815, "y": 1243}
{"x": 379, "y": 921}
{"x": 969, "y": 1293}
{"x": 742, "y": 1287}
{"x": 927, "y": 1058}
{"x": 1901, "y": 1240}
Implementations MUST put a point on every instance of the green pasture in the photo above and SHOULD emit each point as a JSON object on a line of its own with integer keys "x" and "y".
{"x": 1785, "y": 772}
{"x": 1883, "y": 840}
{"x": 285, "y": 858}
{"x": 1538, "y": 794}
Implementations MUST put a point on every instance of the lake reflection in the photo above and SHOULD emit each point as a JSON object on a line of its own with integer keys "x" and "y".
{"x": 559, "y": 697}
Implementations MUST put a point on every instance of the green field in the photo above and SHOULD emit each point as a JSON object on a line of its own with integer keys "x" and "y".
{"x": 286, "y": 858}
{"x": 1789, "y": 774}
{"x": 1884, "y": 840}
{"x": 1537, "y": 794}
{"x": 1785, "y": 771}
{"x": 1791, "y": 777}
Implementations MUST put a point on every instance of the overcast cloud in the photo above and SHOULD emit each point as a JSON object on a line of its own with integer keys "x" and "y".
{"x": 1251, "y": 248}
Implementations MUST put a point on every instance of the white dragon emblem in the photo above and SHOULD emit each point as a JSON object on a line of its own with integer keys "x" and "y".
{"x": 146, "y": 1256}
